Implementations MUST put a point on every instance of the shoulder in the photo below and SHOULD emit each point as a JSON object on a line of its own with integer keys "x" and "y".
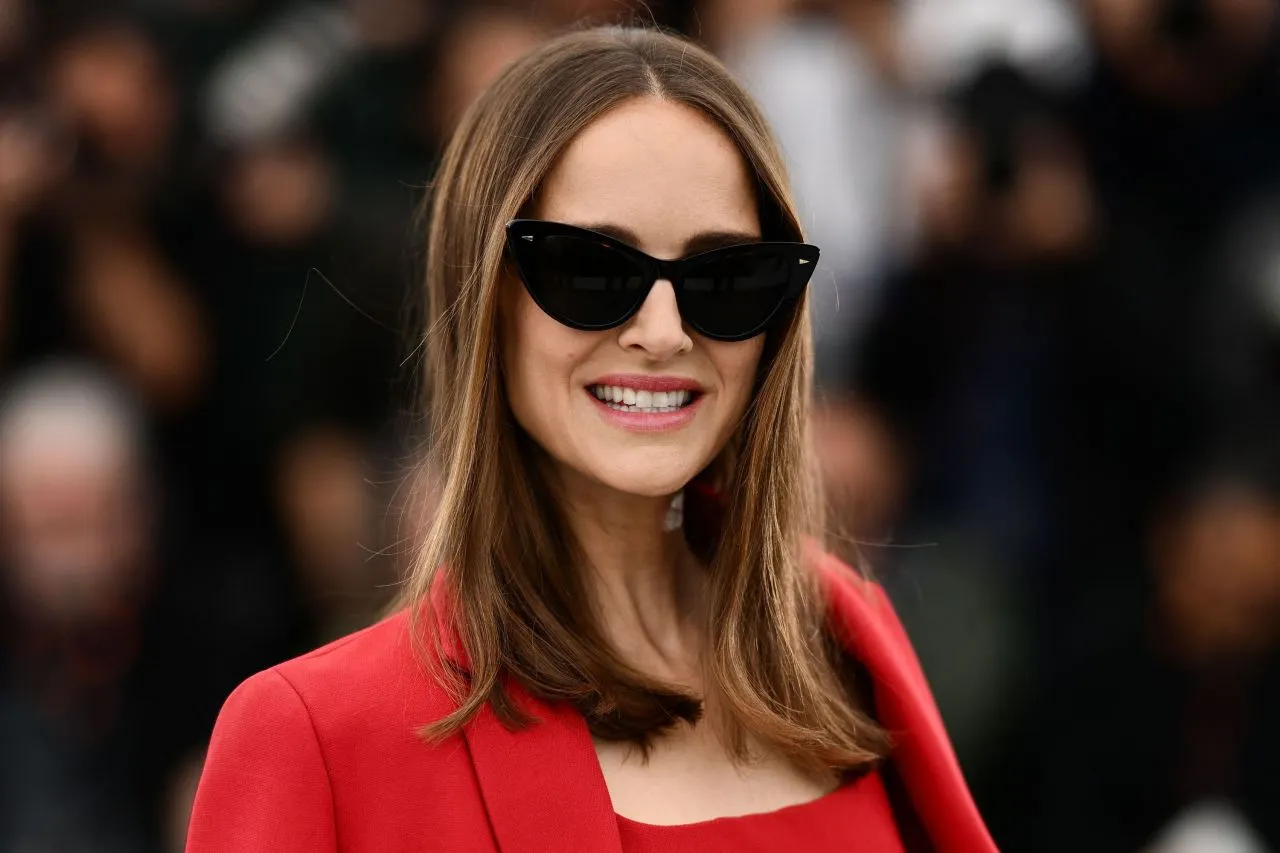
{"x": 306, "y": 745}
{"x": 347, "y": 669}
{"x": 839, "y": 581}
{"x": 361, "y": 688}
{"x": 856, "y": 604}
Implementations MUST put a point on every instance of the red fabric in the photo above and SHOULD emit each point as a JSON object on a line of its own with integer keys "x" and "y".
{"x": 853, "y": 819}
{"x": 320, "y": 754}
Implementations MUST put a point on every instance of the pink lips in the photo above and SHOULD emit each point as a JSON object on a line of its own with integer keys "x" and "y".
{"x": 641, "y": 382}
{"x": 648, "y": 421}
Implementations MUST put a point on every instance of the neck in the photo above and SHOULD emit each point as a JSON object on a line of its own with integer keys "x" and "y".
{"x": 645, "y": 584}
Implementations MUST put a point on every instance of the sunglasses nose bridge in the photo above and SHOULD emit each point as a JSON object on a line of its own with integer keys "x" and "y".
{"x": 668, "y": 271}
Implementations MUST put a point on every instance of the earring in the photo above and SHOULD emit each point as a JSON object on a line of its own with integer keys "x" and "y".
{"x": 675, "y": 514}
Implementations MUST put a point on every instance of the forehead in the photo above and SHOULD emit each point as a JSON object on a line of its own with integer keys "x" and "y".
{"x": 660, "y": 169}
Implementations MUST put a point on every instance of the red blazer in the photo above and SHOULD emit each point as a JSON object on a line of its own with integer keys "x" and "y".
{"x": 319, "y": 754}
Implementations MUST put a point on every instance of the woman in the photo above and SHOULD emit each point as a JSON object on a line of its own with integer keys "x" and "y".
{"x": 620, "y": 634}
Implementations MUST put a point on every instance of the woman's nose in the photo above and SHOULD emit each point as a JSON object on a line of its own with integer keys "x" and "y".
{"x": 656, "y": 329}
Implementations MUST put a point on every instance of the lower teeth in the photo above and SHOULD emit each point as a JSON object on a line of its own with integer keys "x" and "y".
{"x": 622, "y": 407}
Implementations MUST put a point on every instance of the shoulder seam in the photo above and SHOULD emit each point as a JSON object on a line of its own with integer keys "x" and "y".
{"x": 324, "y": 760}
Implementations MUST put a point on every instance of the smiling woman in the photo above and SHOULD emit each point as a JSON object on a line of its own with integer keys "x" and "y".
{"x": 618, "y": 328}
{"x": 666, "y": 176}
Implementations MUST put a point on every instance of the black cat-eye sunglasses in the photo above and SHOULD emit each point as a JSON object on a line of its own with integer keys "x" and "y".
{"x": 591, "y": 281}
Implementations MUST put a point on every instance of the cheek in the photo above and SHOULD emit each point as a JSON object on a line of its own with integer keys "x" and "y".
{"x": 737, "y": 365}
{"x": 538, "y": 358}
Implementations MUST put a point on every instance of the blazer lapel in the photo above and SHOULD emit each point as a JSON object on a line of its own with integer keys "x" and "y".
{"x": 542, "y": 786}
{"x": 922, "y": 756}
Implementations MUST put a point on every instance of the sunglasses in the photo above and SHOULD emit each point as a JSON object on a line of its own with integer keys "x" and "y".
{"x": 590, "y": 281}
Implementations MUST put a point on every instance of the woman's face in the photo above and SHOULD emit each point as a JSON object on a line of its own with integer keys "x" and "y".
{"x": 665, "y": 179}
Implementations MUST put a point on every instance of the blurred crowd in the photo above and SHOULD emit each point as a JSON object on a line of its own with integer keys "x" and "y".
{"x": 1048, "y": 333}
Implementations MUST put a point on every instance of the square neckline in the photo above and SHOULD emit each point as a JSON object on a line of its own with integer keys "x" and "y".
{"x": 846, "y": 789}
{"x": 857, "y": 813}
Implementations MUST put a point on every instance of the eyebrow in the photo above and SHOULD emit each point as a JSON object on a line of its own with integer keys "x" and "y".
{"x": 702, "y": 242}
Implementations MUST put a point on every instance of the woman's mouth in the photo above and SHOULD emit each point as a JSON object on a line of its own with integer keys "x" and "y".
{"x": 624, "y": 399}
{"x": 639, "y": 403}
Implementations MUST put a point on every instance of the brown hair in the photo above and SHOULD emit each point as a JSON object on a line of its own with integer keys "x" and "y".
{"x": 515, "y": 595}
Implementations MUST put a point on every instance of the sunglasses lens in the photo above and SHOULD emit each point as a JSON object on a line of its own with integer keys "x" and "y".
{"x": 731, "y": 294}
{"x": 578, "y": 281}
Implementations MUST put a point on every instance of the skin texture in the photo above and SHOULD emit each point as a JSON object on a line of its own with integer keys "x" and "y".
{"x": 666, "y": 175}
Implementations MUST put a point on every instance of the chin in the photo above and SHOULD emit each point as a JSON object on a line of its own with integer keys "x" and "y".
{"x": 648, "y": 484}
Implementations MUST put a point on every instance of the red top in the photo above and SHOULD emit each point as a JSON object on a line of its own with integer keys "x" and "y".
{"x": 855, "y": 818}
{"x": 321, "y": 754}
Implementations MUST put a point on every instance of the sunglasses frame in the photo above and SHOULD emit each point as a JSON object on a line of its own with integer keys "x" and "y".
{"x": 805, "y": 259}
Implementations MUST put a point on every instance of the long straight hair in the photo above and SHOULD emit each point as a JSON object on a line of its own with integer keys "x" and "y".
{"x": 516, "y": 599}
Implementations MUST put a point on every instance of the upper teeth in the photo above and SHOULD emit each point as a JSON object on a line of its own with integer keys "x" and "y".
{"x": 651, "y": 401}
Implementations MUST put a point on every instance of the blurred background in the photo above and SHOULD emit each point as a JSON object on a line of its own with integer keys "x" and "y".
{"x": 1048, "y": 327}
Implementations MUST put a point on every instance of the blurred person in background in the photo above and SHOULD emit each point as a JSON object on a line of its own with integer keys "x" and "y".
{"x": 87, "y": 275}
{"x": 827, "y": 76}
{"x": 330, "y": 508}
{"x": 619, "y": 583}
{"x": 121, "y": 635}
{"x": 1184, "y": 55}
{"x": 1185, "y": 697}
{"x": 78, "y": 568}
{"x": 479, "y": 43}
